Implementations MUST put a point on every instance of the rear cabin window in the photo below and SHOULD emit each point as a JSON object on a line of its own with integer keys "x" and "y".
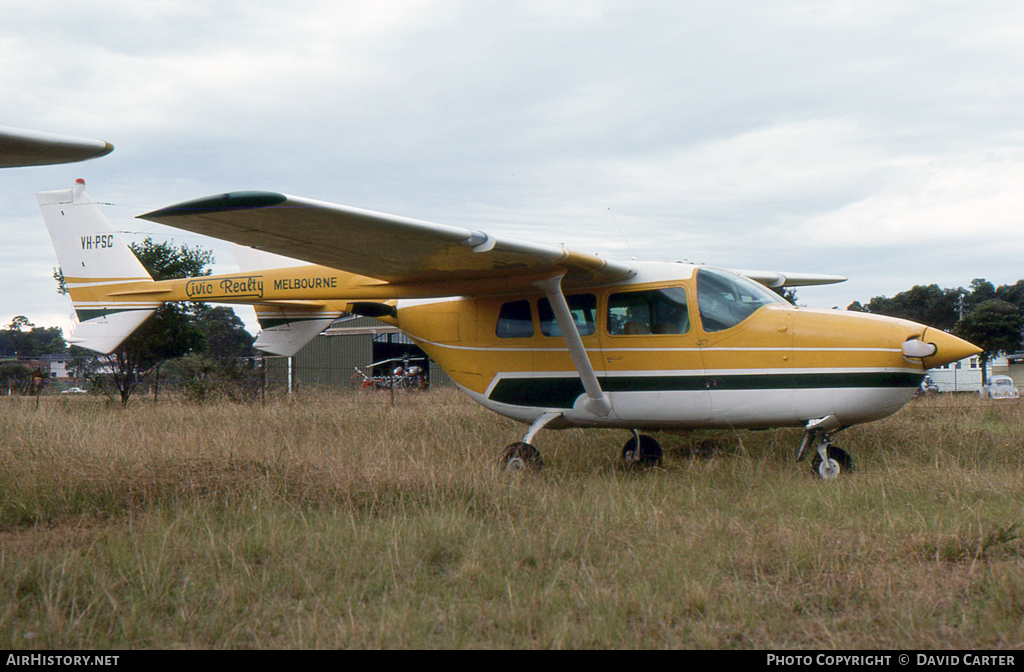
{"x": 584, "y": 312}
{"x": 515, "y": 320}
{"x": 655, "y": 311}
{"x": 726, "y": 299}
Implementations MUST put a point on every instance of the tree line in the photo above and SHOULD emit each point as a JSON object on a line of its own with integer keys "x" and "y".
{"x": 990, "y": 317}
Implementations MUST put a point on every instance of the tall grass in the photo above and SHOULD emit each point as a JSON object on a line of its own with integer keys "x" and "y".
{"x": 327, "y": 520}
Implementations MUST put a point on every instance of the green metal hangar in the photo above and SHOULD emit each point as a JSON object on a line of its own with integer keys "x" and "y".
{"x": 331, "y": 359}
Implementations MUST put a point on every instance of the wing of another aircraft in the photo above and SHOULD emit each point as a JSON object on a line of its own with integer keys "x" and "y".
{"x": 777, "y": 279}
{"x": 398, "y": 250}
{"x": 19, "y": 147}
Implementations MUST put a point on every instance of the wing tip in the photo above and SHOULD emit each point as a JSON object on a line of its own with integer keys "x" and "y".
{"x": 235, "y": 200}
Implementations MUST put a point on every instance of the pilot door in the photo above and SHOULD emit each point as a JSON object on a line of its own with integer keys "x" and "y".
{"x": 746, "y": 339}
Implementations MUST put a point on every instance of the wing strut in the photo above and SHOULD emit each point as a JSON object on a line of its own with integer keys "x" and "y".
{"x": 597, "y": 402}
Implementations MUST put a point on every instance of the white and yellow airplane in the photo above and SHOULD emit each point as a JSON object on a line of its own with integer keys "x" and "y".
{"x": 547, "y": 336}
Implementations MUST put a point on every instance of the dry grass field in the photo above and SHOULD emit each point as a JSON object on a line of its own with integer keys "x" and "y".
{"x": 337, "y": 520}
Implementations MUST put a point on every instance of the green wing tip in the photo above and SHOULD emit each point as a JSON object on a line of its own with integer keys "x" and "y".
{"x": 235, "y": 200}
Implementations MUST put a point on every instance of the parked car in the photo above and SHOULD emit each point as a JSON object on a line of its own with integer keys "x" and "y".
{"x": 999, "y": 387}
{"x": 73, "y": 390}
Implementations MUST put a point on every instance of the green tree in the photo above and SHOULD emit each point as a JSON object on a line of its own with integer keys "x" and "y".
{"x": 1012, "y": 294}
{"x": 20, "y": 322}
{"x": 15, "y": 376}
{"x": 224, "y": 334}
{"x": 24, "y": 339}
{"x": 995, "y": 326}
{"x": 223, "y": 366}
{"x": 788, "y": 293}
{"x": 171, "y": 332}
{"x": 925, "y": 304}
{"x": 981, "y": 290}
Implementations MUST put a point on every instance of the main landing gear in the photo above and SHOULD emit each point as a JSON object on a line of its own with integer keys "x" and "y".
{"x": 521, "y": 456}
{"x": 642, "y": 450}
{"x": 829, "y": 461}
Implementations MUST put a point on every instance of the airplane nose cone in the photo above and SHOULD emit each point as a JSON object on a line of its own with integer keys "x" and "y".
{"x": 948, "y": 348}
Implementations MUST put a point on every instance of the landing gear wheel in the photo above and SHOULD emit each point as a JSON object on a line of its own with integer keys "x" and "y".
{"x": 649, "y": 452}
{"x": 828, "y": 470}
{"x": 520, "y": 457}
{"x": 839, "y": 461}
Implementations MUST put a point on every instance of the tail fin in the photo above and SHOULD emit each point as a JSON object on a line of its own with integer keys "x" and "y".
{"x": 286, "y": 326}
{"x": 97, "y": 266}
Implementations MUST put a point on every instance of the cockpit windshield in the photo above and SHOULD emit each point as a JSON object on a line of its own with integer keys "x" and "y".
{"x": 726, "y": 299}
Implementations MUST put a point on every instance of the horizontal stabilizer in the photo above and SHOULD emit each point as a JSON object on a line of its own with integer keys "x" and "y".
{"x": 289, "y": 335}
{"x": 103, "y": 334}
{"x": 286, "y": 326}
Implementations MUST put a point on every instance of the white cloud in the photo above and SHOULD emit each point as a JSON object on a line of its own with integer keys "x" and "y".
{"x": 879, "y": 140}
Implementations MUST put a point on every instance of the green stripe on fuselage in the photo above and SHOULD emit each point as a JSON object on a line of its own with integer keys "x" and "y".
{"x": 563, "y": 392}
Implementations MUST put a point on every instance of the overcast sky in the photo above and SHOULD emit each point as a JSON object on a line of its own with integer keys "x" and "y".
{"x": 878, "y": 140}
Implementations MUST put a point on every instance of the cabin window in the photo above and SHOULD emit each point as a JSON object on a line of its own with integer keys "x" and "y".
{"x": 584, "y": 312}
{"x": 515, "y": 320}
{"x": 726, "y": 299}
{"x": 656, "y": 311}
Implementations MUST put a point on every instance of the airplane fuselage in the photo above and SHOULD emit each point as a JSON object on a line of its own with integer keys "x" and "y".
{"x": 686, "y": 367}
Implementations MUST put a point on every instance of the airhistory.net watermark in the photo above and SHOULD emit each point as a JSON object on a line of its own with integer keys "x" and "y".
{"x": 57, "y": 660}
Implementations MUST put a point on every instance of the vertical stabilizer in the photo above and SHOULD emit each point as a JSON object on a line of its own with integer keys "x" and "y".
{"x": 97, "y": 266}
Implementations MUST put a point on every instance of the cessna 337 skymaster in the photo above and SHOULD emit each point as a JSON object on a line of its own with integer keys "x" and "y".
{"x": 538, "y": 333}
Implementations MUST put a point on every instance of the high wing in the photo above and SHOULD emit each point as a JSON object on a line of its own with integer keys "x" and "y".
{"x": 19, "y": 147}
{"x": 397, "y": 250}
{"x": 407, "y": 253}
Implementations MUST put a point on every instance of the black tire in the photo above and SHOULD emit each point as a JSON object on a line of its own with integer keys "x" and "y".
{"x": 519, "y": 457}
{"x": 836, "y": 453}
{"x": 650, "y": 453}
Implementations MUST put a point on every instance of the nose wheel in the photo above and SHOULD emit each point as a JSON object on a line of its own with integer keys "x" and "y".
{"x": 829, "y": 461}
{"x": 836, "y": 461}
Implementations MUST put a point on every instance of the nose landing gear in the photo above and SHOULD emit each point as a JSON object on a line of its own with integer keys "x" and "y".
{"x": 830, "y": 461}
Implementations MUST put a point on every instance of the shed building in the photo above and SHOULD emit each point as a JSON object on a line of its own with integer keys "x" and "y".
{"x": 331, "y": 359}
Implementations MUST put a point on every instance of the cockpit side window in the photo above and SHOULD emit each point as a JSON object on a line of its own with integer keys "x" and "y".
{"x": 655, "y": 311}
{"x": 726, "y": 299}
{"x": 515, "y": 320}
{"x": 584, "y": 312}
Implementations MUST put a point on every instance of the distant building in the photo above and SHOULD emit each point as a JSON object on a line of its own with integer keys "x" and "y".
{"x": 331, "y": 359}
{"x": 965, "y": 375}
{"x": 59, "y": 366}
